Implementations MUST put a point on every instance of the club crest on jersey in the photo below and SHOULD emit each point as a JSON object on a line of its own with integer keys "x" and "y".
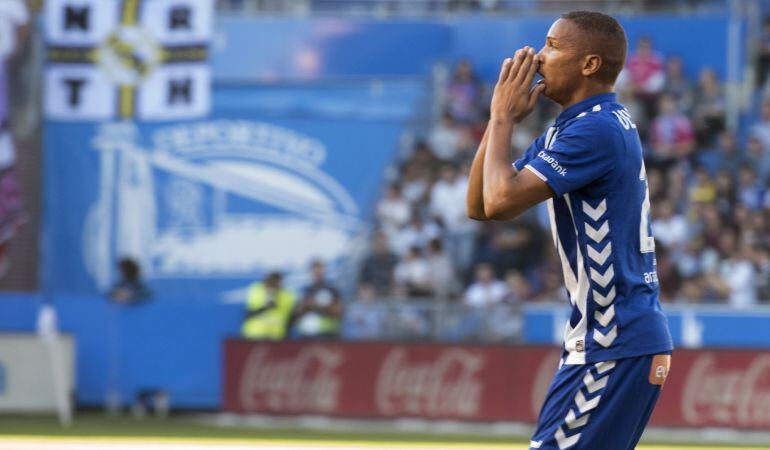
{"x": 553, "y": 162}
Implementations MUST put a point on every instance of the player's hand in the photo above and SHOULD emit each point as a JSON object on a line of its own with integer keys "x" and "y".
{"x": 514, "y": 97}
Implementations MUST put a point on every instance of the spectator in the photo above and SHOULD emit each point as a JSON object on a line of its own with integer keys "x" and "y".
{"x": 645, "y": 72}
{"x": 442, "y": 271}
{"x": 130, "y": 288}
{"x": 319, "y": 312}
{"x": 464, "y": 93}
{"x": 763, "y": 60}
{"x": 725, "y": 191}
{"x": 416, "y": 183}
{"x": 750, "y": 191}
{"x": 417, "y": 234}
{"x": 447, "y": 203}
{"x": 487, "y": 290}
{"x": 758, "y": 158}
{"x": 737, "y": 272}
{"x": 761, "y": 130}
{"x": 672, "y": 134}
{"x": 702, "y": 189}
{"x": 364, "y": 318}
{"x": 268, "y": 309}
{"x": 412, "y": 275}
{"x": 394, "y": 211}
{"x": 519, "y": 289}
{"x": 677, "y": 85}
{"x": 725, "y": 155}
{"x": 709, "y": 108}
{"x": 379, "y": 265}
{"x": 669, "y": 228}
{"x": 447, "y": 139}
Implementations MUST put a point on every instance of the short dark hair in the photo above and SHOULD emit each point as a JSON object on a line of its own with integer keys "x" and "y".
{"x": 604, "y": 37}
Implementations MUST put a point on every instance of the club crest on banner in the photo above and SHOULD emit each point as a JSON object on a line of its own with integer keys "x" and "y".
{"x": 127, "y": 59}
{"x": 220, "y": 199}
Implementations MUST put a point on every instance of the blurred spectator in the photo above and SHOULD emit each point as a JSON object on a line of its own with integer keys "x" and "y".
{"x": 702, "y": 188}
{"x": 268, "y": 309}
{"x": 677, "y": 85}
{"x": 129, "y": 288}
{"x": 464, "y": 93}
{"x": 393, "y": 211}
{"x": 416, "y": 183}
{"x": 412, "y": 275}
{"x": 447, "y": 203}
{"x": 512, "y": 245}
{"x": 442, "y": 271}
{"x": 378, "y": 267}
{"x": 416, "y": 234}
{"x": 763, "y": 59}
{"x": 447, "y": 139}
{"x": 761, "y": 130}
{"x": 318, "y": 314}
{"x": 672, "y": 133}
{"x": 519, "y": 289}
{"x": 645, "y": 72}
{"x": 669, "y": 228}
{"x": 364, "y": 318}
{"x": 759, "y": 158}
{"x": 737, "y": 273}
{"x": 708, "y": 111}
{"x": 487, "y": 290}
{"x": 750, "y": 191}
{"x": 725, "y": 155}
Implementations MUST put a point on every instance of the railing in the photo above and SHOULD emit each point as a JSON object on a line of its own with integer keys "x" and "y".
{"x": 393, "y": 319}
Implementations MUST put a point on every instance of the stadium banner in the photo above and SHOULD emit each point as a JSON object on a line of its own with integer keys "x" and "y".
{"x": 478, "y": 383}
{"x": 127, "y": 59}
{"x": 208, "y": 206}
{"x": 714, "y": 388}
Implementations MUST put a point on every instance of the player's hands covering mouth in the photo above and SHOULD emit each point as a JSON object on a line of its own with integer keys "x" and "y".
{"x": 514, "y": 97}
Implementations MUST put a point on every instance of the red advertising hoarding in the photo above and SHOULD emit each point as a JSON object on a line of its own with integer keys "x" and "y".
{"x": 480, "y": 383}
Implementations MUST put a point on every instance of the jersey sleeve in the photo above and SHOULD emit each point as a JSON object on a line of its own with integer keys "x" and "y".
{"x": 580, "y": 154}
{"x": 528, "y": 154}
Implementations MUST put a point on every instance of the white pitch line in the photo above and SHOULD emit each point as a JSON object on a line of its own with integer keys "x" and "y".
{"x": 106, "y": 445}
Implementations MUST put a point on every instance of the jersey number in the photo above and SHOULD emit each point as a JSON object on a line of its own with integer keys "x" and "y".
{"x": 646, "y": 242}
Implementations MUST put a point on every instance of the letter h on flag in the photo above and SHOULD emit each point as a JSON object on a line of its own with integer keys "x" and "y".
{"x": 127, "y": 59}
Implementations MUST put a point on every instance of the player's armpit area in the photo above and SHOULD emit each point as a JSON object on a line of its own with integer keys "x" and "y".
{"x": 524, "y": 191}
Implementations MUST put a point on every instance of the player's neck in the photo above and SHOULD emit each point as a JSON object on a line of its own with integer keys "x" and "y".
{"x": 585, "y": 92}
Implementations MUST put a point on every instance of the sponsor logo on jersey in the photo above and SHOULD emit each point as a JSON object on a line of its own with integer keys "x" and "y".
{"x": 553, "y": 162}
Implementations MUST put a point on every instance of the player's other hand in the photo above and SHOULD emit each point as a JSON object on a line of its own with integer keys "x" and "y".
{"x": 514, "y": 97}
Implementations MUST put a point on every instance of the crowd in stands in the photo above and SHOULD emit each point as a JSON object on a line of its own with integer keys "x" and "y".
{"x": 709, "y": 190}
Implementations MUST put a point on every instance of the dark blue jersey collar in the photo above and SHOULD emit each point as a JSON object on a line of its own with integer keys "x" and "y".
{"x": 584, "y": 105}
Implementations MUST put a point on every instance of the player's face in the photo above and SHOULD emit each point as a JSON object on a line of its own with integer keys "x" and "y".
{"x": 560, "y": 61}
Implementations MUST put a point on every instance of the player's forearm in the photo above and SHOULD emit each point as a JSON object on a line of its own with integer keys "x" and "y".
{"x": 474, "y": 198}
{"x": 498, "y": 172}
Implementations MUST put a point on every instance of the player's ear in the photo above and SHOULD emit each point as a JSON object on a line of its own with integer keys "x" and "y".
{"x": 591, "y": 64}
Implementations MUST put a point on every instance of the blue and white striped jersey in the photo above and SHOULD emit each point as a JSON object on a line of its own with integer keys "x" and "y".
{"x": 600, "y": 221}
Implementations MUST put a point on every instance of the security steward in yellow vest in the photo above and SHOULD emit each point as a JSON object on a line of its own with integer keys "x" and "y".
{"x": 268, "y": 309}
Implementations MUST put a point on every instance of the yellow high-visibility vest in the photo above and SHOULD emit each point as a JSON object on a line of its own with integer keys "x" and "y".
{"x": 272, "y": 322}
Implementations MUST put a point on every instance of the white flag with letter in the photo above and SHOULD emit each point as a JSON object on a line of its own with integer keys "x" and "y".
{"x": 128, "y": 59}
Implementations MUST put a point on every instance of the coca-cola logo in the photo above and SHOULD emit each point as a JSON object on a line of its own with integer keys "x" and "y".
{"x": 447, "y": 385}
{"x": 732, "y": 397}
{"x": 307, "y": 381}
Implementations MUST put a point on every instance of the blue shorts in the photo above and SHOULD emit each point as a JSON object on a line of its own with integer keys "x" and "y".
{"x": 602, "y": 406}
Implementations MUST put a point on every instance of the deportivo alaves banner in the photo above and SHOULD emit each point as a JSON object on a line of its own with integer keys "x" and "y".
{"x": 208, "y": 189}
